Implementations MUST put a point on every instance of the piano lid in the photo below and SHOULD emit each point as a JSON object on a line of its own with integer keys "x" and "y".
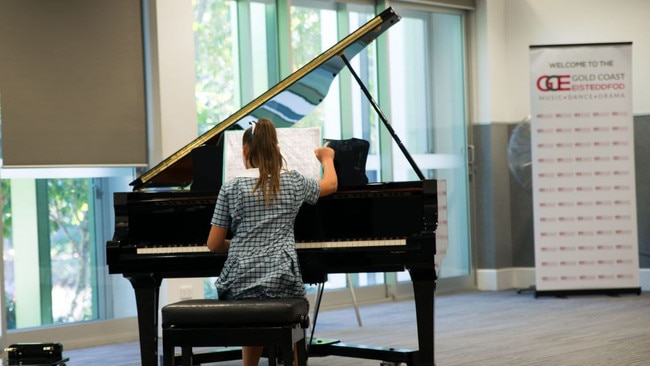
{"x": 285, "y": 104}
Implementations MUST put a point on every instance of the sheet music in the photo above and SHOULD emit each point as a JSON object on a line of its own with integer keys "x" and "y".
{"x": 296, "y": 144}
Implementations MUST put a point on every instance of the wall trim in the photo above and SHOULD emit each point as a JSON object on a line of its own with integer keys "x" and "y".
{"x": 524, "y": 277}
{"x": 504, "y": 278}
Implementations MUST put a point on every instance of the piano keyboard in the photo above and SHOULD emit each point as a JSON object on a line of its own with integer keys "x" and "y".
{"x": 308, "y": 245}
{"x": 174, "y": 249}
{"x": 351, "y": 243}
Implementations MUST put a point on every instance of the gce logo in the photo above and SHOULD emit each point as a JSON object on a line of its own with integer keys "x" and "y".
{"x": 554, "y": 82}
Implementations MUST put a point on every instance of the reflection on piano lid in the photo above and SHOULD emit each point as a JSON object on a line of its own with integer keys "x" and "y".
{"x": 284, "y": 104}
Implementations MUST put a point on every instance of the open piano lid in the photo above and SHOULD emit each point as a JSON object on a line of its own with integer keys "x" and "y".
{"x": 285, "y": 104}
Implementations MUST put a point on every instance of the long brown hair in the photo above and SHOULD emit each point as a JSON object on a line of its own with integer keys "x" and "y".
{"x": 261, "y": 139}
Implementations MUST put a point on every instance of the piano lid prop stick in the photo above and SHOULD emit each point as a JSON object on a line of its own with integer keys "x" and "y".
{"x": 383, "y": 119}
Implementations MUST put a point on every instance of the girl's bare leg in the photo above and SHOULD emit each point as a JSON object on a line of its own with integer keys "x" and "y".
{"x": 251, "y": 355}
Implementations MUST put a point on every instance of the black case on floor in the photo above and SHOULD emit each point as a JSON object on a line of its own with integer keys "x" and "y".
{"x": 35, "y": 354}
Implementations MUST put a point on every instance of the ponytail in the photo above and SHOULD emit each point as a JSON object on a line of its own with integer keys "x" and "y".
{"x": 264, "y": 154}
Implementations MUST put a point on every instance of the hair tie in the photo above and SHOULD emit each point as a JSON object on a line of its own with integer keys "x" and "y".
{"x": 252, "y": 123}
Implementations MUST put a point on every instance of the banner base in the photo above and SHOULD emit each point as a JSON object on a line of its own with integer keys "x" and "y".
{"x": 610, "y": 292}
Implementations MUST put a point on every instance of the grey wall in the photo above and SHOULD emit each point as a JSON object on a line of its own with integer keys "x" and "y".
{"x": 493, "y": 238}
{"x": 504, "y": 211}
{"x": 642, "y": 162}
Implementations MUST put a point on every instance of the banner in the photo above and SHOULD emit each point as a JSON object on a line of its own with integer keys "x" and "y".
{"x": 582, "y": 145}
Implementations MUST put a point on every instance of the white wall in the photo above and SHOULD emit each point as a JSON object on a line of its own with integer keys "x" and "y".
{"x": 488, "y": 68}
{"x": 502, "y": 49}
{"x": 173, "y": 111}
{"x": 173, "y": 114}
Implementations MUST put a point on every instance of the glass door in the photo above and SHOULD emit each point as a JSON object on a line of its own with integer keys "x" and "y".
{"x": 428, "y": 110}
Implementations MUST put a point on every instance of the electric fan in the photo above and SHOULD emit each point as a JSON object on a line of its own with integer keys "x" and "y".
{"x": 519, "y": 155}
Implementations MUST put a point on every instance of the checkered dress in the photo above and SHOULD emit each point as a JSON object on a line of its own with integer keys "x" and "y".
{"x": 262, "y": 260}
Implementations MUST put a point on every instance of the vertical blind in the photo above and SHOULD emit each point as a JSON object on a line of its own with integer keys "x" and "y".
{"x": 72, "y": 83}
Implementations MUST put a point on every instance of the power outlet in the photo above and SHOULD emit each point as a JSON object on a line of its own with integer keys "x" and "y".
{"x": 185, "y": 292}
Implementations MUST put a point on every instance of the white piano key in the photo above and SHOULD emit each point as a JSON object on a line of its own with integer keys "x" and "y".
{"x": 308, "y": 245}
{"x": 352, "y": 244}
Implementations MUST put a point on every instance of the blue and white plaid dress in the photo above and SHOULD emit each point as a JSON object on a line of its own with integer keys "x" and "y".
{"x": 262, "y": 260}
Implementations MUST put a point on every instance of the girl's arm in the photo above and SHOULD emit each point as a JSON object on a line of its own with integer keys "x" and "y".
{"x": 329, "y": 181}
{"x": 217, "y": 241}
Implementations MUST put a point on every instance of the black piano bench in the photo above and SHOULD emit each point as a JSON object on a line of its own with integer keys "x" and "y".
{"x": 276, "y": 324}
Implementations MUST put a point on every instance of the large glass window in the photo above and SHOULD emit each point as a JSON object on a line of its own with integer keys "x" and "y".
{"x": 53, "y": 264}
{"x": 53, "y": 242}
{"x": 427, "y": 86}
{"x": 313, "y": 32}
{"x": 56, "y": 224}
{"x": 215, "y": 36}
{"x": 422, "y": 84}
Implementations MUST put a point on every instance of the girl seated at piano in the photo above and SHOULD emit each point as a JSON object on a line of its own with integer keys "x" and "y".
{"x": 259, "y": 210}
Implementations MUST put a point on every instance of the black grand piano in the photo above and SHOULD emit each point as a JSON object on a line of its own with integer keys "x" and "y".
{"x": 161, "y": 227}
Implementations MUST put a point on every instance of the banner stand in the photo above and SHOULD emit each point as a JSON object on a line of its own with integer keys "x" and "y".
{"x": 584, "y": 189}
{"x": 608, "y": 292}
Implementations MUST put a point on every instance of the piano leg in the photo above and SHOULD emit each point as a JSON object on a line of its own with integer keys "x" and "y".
{"x": 424, "y": 286}
{"x": 147, "y": 289}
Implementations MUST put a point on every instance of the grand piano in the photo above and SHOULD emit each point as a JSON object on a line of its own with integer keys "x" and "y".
{"x": 161, "y": 227}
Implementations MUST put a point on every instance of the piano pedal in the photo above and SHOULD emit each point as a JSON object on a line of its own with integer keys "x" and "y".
{"x": 389, "y": 363}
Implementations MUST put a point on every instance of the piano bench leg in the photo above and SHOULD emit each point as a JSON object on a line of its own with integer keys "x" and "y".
{"x": 186, "y": 354}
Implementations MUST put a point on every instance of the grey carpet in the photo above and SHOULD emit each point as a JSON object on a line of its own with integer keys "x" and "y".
{"x": 479, "y": 328}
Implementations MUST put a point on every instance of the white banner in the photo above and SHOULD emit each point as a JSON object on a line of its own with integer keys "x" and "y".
{"x": 582, "y": 144}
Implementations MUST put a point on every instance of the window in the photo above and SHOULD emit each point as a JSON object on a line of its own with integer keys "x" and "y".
{"x": 52, "y": 263}
{"x": 216, "y": 66}
{"x": 56, "y": 222}
{"x": 54, "y": 235}
{"x": 421, "y": 89}
{"x": 427, "y": 86}
{"x": 313, "y": 32}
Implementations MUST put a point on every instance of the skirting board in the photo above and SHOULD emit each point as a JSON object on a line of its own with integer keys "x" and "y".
{"x": 520, "y": 278}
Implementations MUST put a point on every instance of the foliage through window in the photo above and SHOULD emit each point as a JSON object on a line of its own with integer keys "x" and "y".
{"x": 216, "y": 62}
{"x": 63, "y": 271}
{"x": 71, "y": 248}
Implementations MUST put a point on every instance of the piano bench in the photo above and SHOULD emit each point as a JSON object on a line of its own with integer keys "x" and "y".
{"x": 274, "y": 324}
